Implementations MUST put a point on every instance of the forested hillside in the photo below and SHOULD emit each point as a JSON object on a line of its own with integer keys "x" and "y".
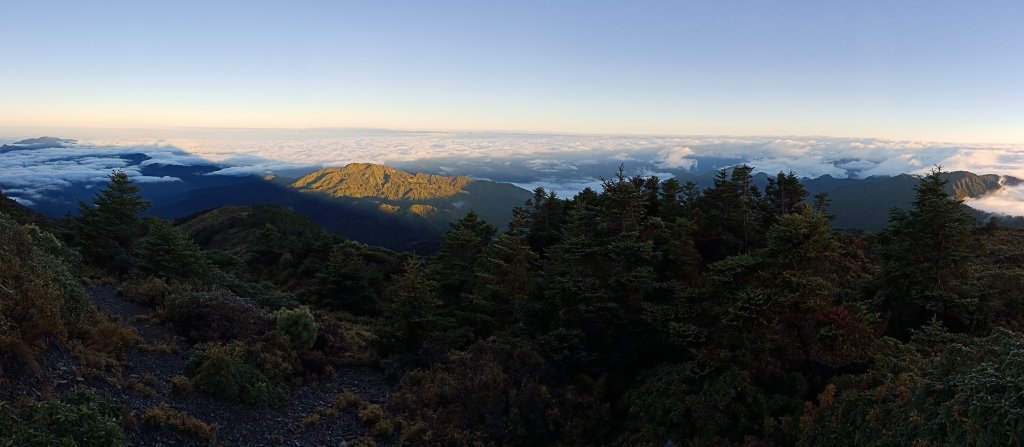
{"x": 647, "y": 313}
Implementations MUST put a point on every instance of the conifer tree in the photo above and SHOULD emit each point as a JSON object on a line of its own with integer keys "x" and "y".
{"x": 729, "y": 223}
{"x": 169, "y": 253}
{"x": 343, "y": 284}
{"x": 411, "y": 308}
{"x": 545, "y": 213}
{"x": 691, "y": 194}
{"x": 107, "y": 230}
{"x": 505, "y": 280}
{"x": 669, "y": 205}
{"x": 821, "y": 204}
{"x": 460, "y": 249}
{"x": 925, "y": 258}
{"x": 782, "y": 195}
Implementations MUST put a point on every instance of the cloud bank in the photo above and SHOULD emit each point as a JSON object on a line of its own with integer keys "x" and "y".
{"x": 563, "y": 163}
{"x": 1007, "y": 201}
{"x": 27, "y": 175}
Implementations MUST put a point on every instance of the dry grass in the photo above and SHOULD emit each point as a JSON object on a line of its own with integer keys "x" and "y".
{"x": 181, "y": 385}
{"x": 100, "y": 341}
{"x": 165, "y": 416}
{"x": 311, "y": 421}
{"x": 347, "y": 399}
{"x": 366, "y": 441}
{"x": 144, "y": 387}
{"x": 379, "y": 421}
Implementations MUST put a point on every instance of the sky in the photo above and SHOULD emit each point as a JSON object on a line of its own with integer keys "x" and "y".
{"x": 932, "y": 70}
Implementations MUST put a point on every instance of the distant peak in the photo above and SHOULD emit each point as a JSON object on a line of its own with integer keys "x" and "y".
{"x": 37, "y": 143}
{"x": 379, "y": 181}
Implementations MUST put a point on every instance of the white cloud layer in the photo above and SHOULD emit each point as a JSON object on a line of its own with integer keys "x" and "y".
{"x": 562, "y": 162}
{"x": 1008, "y": 200}
{"x": 26, "y": 175}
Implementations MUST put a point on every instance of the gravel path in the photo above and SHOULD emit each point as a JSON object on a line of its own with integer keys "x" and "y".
{"x": 240, "y": 424}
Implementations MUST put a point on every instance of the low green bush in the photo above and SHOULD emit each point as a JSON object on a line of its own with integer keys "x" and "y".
{"x": 79, "y": 418}
{"x": 236, "y": 372}
{"x": 298, "y": 325}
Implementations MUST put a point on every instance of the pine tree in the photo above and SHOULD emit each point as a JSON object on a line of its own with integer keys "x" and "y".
{"x": 457, "y": 258}
{"x": 782, "y": 195}
{"x": 167, "y": 252}
{"x": 821, "y": 204}
{"x": 344, "y": 284}
{"x": 505, "y": 281}
{"x": 669, "y": 205}
{"x": 107, "y": 230}
{"x": 925, "y": 260}
{"x": 545, "y": 213}
{"x": 729, "y": 221}
{"x": 691, "y": 195}
{"x": 410, "y": 311}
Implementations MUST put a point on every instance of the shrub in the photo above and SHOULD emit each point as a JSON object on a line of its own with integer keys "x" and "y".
{"x": 52, "y": 256}
{"x": 181, "y": 385}
{"x": 150, "y": 290}
{"x": 212, "y": 315}
{"x": 79, "y": 418}
{"x": 165, "y": 416}
{"x": 345, "y": 342}
{"x": 347, "y": 399}
{"x": 167, "y": 252}
{"x": 144, "y": 387}
{"x": 101, "y": 340}
{"x": 236, "y": 372}
{"x": 262, "y": 294}
{"x": 497, "y": 392}
{"x": 298, "y": 325}
{"x": 37, "y": 294}
{"x": 373, "y": 415}
{"x": 946, "y": 389}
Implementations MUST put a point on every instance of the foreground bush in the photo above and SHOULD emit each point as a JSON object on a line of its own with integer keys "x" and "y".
{"x": 79, "y": 418}
{"x": 498, "y": 392}
{"x": 212, "y": 315}
{"x": 150, "y": 290}
{"x": 38, "y": 293}
{"x": 947, "y": 390}
{"x": 298, "y": 325}
{"x": 239, "y": 372}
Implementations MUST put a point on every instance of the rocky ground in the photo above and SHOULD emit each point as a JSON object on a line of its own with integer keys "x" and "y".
{"x": 239, "y": 424}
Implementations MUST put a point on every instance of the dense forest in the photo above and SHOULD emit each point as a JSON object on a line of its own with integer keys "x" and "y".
{"x": 648, "y": 313}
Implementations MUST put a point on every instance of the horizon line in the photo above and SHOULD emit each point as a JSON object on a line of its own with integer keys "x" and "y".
{"x": 510, "y": 132}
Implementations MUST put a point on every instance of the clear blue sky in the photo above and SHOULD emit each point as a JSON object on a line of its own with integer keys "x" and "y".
{"x": 940, "y": 70}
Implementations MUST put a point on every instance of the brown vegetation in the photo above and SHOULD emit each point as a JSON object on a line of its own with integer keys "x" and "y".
{"x": 165, "y": 416}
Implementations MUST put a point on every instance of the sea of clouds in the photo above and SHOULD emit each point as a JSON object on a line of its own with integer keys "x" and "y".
{"x": 563, "y": 163}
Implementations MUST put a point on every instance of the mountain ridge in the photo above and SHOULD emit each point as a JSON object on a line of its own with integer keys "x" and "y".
{"x": 359, "y": 180}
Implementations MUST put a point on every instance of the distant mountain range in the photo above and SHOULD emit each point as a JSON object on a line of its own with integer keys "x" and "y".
{"x": 369, "y": 203}
{"x": 36, "y": 143}
{"x": 391, "y": 208}
{"x": 373, "y": 204}
{"x": 864, "y": 204}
